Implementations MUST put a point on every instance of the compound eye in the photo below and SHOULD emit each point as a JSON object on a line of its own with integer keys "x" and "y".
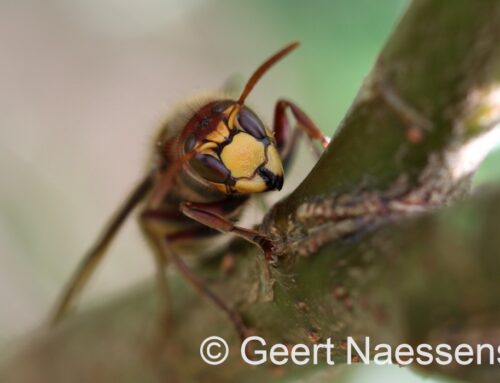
{"x": 251, "y": 124}
{"x": 210, "y": 168}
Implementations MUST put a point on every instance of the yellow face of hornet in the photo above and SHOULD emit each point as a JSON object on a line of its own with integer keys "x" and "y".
{"x": 237, "y": 154}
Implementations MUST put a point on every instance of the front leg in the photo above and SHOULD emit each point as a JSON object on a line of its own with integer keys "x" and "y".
{"x": 209, "y": 215}
{"x": 286, "y": 139}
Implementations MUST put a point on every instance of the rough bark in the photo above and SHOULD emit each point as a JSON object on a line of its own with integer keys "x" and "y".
{"x": 361, "y": 248}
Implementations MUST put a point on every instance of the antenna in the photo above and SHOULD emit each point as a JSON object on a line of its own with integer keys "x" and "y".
{"x": 264, "y": 68}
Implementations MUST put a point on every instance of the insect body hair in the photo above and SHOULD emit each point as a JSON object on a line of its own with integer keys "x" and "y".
{"x": 184, "y": 111}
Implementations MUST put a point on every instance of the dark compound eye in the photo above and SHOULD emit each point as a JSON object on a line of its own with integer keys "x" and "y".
{"x": 210, "y": 168}
{"x": 250, "y": 123}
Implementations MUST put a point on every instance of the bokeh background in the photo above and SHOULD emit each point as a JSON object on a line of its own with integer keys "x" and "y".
{"x": 85, "y": 84}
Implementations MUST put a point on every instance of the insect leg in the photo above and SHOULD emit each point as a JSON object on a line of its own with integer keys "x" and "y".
{"x": 209, "y": 215}
{"x": 202, "y": 287}
{"x": 286, "y": 139}
{"x": 97, "y": 252}
{"x": 146, "y": 221}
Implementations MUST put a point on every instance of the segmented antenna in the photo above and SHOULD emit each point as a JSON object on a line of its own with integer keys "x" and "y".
{"x": 264, "y": 68}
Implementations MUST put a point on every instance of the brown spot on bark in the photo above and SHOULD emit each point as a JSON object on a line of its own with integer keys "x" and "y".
{"x": 301, "y": 306}
{"x": 313, "y": 336}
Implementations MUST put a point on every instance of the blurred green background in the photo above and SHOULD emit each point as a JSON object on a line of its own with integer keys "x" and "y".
{"x": 85, "y": 86}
